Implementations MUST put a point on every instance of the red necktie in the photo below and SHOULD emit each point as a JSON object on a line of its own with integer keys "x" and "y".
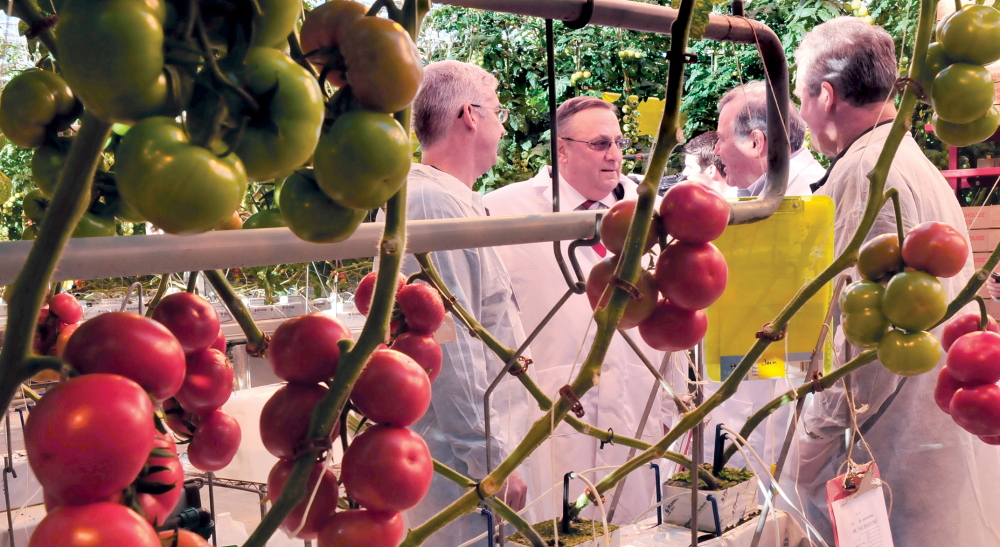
{"x": 599, "y": 248}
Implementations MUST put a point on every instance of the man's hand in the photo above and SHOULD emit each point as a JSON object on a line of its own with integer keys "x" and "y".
{"x": 514, "y": 492}
{"x": 993, "y": 286}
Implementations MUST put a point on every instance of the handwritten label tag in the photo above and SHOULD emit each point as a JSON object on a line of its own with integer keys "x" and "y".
{"x": 858, "y": 510}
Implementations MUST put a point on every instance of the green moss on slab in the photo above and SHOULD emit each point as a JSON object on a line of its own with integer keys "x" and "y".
{"x": 728, "y": 477}
{"x": 582, "y": 531}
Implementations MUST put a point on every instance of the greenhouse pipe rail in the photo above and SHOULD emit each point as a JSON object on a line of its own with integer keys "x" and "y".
{"x": 626, "y": 14}
{"x": 104, "y": 257}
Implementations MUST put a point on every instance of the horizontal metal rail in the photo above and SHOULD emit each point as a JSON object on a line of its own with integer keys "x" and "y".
{"x": 104, "y": 257}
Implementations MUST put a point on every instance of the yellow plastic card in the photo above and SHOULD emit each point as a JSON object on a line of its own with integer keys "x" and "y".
{"x": 769, "y": 261}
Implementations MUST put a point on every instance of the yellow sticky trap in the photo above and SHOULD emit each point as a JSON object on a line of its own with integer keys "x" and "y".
{"x": 769, "y": 261}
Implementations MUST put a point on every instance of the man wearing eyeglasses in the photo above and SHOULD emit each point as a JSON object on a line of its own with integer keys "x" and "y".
{"x": 457, "y": 118}
{"x": 589, "y": 153}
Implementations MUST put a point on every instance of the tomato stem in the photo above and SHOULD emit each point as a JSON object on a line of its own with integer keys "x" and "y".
{"x": 983, "y": 316}
{"x": 505, "y": 512}
{"x": 161, "y": 289}
{"x": 893, "y": 194}
{"x": 27, "y": 11}
{"x": 256, "y": 339}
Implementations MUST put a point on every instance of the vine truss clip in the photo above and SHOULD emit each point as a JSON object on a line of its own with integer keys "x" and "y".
{"x": 576, "y": 407}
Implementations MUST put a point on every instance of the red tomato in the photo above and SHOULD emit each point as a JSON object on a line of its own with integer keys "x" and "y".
{"x": 975, "y": 358}
{"x": 673, "y": 328}
{"x": 615, "y": 225}
{"x": 215, "y": 442}
{"x": 422, "y": 307}
{"x": 66, "y": 308}
{"x": 387, "y": 469}
{"x": 94, "y": 525}
{"x": 130, "y": 345}
{"x": 977, "y": 409}
{"x": 964, "y": 323}
{"x": 163, "y": 468}
{"x": 366, "y": 289}
{"x": 191, "y": 318}
{"x": 936, "y": 248}
{"x": 220, "y": 342}
{"x": 304, "y": 349}
{"x": 63, "y": 338}
{"x": 183, "y": 538}
{"x": 990, "y": 439}
{"x": 284, "y": 419}
{"x": 693, "y": 212}
{"x": 323, "y": 505}
{"x": 945, "y": 389}
{"x": 637, "y": 309}
{"x": 692, "y": 276}
{"x": 89, "y": 437}
{"x": 423, "y": 348}
{"x": 321, "y": 31}
{"x": 208, "y": 383}
{"x": 363, "y": 528}
{"x": 392, "y": 389}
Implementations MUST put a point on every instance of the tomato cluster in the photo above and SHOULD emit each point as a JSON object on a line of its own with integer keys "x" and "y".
{"x": 56, "y": 323}
{"x": 967, "y": 385}
{"x": 690, "y": 272}
{"x": 108, "y": 468}
{"x": 386, "y": 469}
{"x": 208, "y": 99}
{"x": 960, "y": 88}
{"x": 899, "y": 297}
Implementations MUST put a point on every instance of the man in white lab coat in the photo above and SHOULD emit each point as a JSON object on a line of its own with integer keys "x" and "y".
{"x": 944, "y": 481}
{"x": 590, "y": 157}
{"x": 743, "y": 143}
{"x": 459, "y": 121}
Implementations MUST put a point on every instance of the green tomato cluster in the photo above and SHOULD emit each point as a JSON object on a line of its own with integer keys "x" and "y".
{"x": 960, "y": 88}
{"x": 579, "y": 75}
{"x": 630, "y": 54}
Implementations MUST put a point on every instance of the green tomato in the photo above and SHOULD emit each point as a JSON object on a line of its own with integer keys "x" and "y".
{"x": 92, "y": 225}
{"x": 880, "y": 257}
{"x": 865, "y": 328}
{"x": 29, "y": 233}
{"x": 311, "y": 214}
{"x": 268, "y": 218}
{"x": 384, "y": 68}
{"x": 962, "y": 93}
{"x": 179, "y": 187}
{"x": 111, "y": 54}
{"x": 909, "y": 354}
{"x": 34, "y": 205}
{"x": 861, "y": 295}
{"x": 35, "y": 103}
{"x": 972, "y": 34}
{"x": 363, "y": 159}
{"x": 914, "y": 300}
{"x": 937, "y": 60}
{"x": 964, "y": 134}
{"x": 46, "y": 164}
{"x": 283, "y": 134}
{"x": 121, "y": 209}
{"x": 276, "y": 22}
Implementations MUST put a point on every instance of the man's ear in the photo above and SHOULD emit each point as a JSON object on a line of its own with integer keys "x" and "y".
{"x": 759, "y": 141}
{"x": 467, "y": 119}
{"x": 827, "y": 96}
{"x": 561, "y": 151}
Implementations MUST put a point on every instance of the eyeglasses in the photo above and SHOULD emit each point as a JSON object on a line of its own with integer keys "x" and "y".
{"x": 502, "y": 113}
{"x": 603, "y": 144}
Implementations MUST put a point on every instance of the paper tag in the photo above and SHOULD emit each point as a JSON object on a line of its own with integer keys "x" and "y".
{"x": 447, "y": 332}
{"x": 857, "y": 510}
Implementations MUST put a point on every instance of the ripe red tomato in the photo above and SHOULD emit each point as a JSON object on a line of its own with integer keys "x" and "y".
{"x": 220, "y": 342}
{"x": 215, "y": 442}
{"x": 392, "y": 389}
{"x": 132, "y": 346}
{"x": 914, "y": 300}
{"x": 964, "y": 323}
{"x": 909, "y": 353}
{"x": 363, "y": 528}
{"x": 208, "y": 382}
{"x": 284, "y": 419}
{"x": 673, "y": 328}
{"x": 423, "y": 348}
{"x": 990, "y": 439}
{"x": 89, "y": 437}
{"x": 304, "y": 349}
{"x": 945, "y": 389}
{"x": 63, "y": 339}
{"x": 615, "y": 225}
{"x": 880, "y": 258}
{"x": 975, "y": 358}
{"x": 936, "y": 248}
{"x": 94, "y": 525}
{"x": 599, "y": 289}
{"x": 66, "y": 308}
{"x": 324, "y": 504}
{"x": 162, "y": 468}
{"x": 191, "y": 318}
{"x": 692, "y": 276}
{"x": 387, "y": 469}
{"x": 366, "y": 289}
{"x": 977, "y": 409}
{"x": 422, "y": 307}
{"x": 693, "y": 213}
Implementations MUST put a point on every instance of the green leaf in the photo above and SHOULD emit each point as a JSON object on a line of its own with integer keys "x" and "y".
{"x": 699, "y": 19}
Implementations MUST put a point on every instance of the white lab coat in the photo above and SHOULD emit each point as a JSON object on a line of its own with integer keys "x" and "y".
{"x": 945, "y": 482}
{"x": 803, "y": 170}
{"x": 454, "y": 426}
{"x": 619, "y": 399}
